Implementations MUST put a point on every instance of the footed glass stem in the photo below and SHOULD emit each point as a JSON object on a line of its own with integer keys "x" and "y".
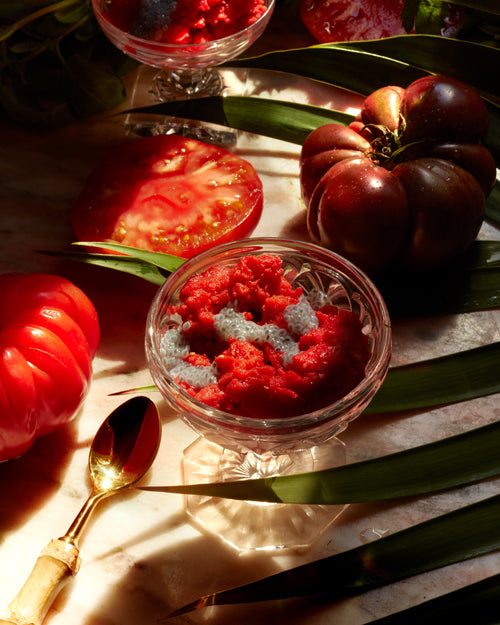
{"x": 171, "y": 85}
{"x": 189, "y": 68}
{"x": 258, "y": 526}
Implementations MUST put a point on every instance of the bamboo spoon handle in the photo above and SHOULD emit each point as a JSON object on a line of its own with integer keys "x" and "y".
{"x": 58, "y": 561}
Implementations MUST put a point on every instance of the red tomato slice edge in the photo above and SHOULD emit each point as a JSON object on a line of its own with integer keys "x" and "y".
{"x": 169, "y": 194}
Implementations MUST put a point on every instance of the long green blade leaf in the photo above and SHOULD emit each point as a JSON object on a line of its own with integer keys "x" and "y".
{"x": 493, "y": 203}
{"x": 328, "y": 62}
{"x": 453, "y": 537}
{"x": 135, "y": 267}
{"x": 392, "y": 60}
{"x": 484, "y": 254}
{"x": 452, "y": 462}
{"x": 481, "y": 255}
{"x": 448, "y": 379}
{"x": 468, "y": 61}
{"x": 287, "y": 121}
{"x": 167, "y": 262}
{"x": 478, "y": 603}
{"x": 472, "y": 283}
{"x": 151, "y": 266}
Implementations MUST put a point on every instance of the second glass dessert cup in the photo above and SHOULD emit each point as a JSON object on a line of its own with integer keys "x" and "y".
{"x": 179, "y": 71}
{"x": 232, "y": 447}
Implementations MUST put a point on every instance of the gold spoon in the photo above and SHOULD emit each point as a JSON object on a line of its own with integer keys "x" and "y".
{"x": 122, "y": 451}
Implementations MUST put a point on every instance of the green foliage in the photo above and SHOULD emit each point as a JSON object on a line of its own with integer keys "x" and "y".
{"x": 55, "y": 64}
{"x": 446, "y": 539}
{"x": 448, "y": 463}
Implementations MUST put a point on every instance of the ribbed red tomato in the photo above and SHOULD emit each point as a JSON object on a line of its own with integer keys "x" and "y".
{"x": 405, "y": 185}
{"x": 49, "y": 334}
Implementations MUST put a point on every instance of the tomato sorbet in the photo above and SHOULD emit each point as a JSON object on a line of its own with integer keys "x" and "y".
{"x": 244, "y": 341}
{"x": 184, "y": 21}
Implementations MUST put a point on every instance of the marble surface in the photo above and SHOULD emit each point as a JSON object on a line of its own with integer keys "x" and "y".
{"x": 141, "y": 557}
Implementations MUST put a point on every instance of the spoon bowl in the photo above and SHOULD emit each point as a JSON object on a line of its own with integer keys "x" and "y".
{"x": 124, "y": 446}
{"x": 121, "y": 453}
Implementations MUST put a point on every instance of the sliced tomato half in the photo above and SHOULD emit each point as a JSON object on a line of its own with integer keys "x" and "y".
{"x": 169, "y": 194}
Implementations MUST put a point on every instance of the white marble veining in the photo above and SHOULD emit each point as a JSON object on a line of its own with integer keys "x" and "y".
{"x": 141, "y": 557}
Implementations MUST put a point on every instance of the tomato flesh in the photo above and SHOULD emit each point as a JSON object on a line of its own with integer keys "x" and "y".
{"x": 169, "y": 194}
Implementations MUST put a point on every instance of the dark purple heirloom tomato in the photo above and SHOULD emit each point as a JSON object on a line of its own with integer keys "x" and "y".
{"x": 405, "y": 184}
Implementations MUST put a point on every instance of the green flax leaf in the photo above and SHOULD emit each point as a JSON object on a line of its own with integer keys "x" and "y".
{"x": 166, "y": 262}
{"x": 484, "y": 254}
{"x": 467, "y": 292}
{"x": 472, "y": 283}
{"x": 464, "y": 60}
{"x": 447, "y": 463}
{"x": 328, "y": 62}
{"x": 287, "y": 121}
{"x": 465, "y": 533}
{"x": 493, "y": 204}
{"x": 151, "y": 266}
{"x": 133, "y": 266}
{"x": 392, "y": 60}
{"x": 448, "y": 379}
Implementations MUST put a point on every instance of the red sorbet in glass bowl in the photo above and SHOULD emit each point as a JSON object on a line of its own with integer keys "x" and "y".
{"x": 268, "y": 343}
{"x": 183, "y": 34}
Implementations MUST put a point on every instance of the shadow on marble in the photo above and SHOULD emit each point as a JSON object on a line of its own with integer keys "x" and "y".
{"x": 181, "y": 573}
{"x": 26, "y": 483}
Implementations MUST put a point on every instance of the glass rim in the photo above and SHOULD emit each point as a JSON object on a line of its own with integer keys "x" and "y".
{"x": 195, "y": 47}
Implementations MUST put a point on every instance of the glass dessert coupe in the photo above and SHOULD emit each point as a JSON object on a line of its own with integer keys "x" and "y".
{"x": 232, "y": 447}
{"x": 180, "y": 71}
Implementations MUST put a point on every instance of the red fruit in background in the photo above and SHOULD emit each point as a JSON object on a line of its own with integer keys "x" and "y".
{"x": 353, "y": 20}
{"x": 446, "y": 205}
{"x": 443, "y": 108}
{"x": 361, "y": 212}
{"x": 350, "y": 20}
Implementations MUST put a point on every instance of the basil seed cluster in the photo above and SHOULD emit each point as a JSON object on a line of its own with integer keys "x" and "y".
{"x": 230, "y": 324}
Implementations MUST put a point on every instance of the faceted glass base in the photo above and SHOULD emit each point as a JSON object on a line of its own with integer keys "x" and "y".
{"x": 258, "y": 526}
